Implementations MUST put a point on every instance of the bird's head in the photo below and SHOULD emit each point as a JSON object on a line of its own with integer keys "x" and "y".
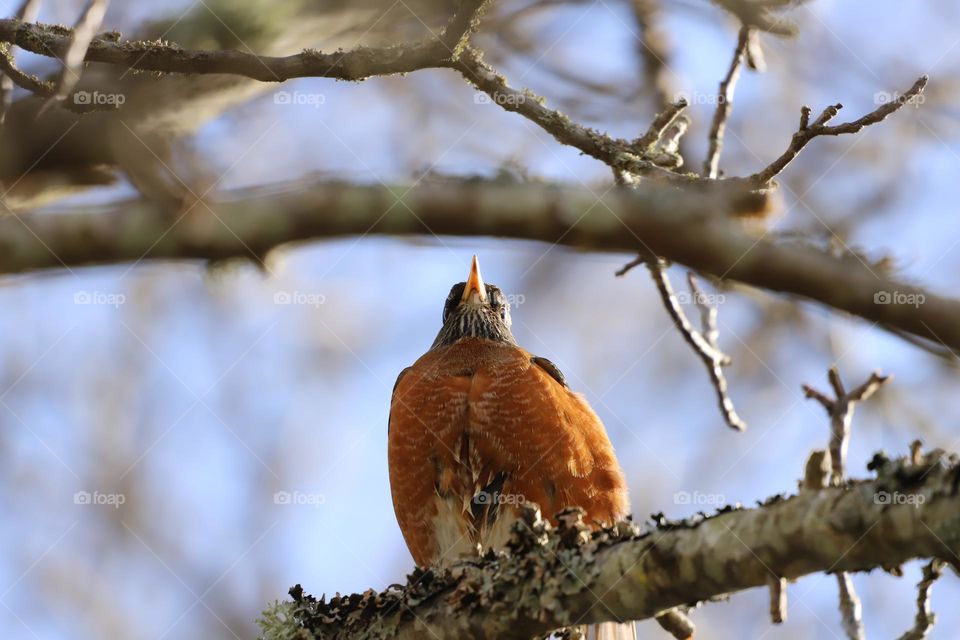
{"x": 475, "y": 309}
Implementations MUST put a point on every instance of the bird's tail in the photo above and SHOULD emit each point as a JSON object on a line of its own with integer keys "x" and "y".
{"x": 611, "y": 631}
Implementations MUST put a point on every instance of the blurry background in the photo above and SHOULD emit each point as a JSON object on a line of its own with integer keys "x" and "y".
{"x": 238, "y": 412}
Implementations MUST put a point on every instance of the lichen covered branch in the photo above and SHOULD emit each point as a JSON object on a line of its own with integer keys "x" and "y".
{"x": 549, "y": 578}
{"x": 620, "y": 155}
{"x": 450, "y": 49}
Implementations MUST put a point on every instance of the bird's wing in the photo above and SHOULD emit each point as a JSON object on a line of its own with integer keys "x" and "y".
{"x": 427, "y": 415}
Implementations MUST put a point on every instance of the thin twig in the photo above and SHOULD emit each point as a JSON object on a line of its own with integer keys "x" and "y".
{"x": 83, "y": 33}
{"x": 46, "y": 89}
{"x": 677, "y": 623}
{"x": 851, "y": 610}
{"x": 26, "y": 12}
{"x": 23, "y": 80}
{"x": 704, "y": 341}
{"x": 728, "y": 86}
{"x": 806, "y": 133}
{"x": 840, "y": 408}
{"x": 660, "y": 123}
{"x": 464, "y": 24}
{"x": 778, "y": 599}
{"x": 925, "y": 618}
{"x": 615, "y": 153}
{"x": 430, "y": 53}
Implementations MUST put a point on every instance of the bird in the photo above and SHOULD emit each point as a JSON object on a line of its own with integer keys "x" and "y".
{"x": 479, "y": 426}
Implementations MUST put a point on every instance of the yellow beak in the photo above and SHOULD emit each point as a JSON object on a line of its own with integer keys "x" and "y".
{"x": 474, "y": 283}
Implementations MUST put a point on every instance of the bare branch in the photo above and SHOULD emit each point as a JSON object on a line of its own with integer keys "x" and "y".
{"x": 703, "y": 342}
{"x": 43, "y": 88}
{"x": 851, "y": 611}
{"x": 677, "y": 624}
{"x": 23, "y": 80}
{"x": 549, "y": 578}
{"x": 357, "y": 64}
{"x": 708, "y": 317}
{"x": 778, "y": 599}
{"x": 658, "y": 216}
{"x": 728, "y": 86}
{"x": 80, "y": 38}
{"x": 806, "y": 133}
{"x": 840, "y": 409}
{"x": 27, "y": 12}
{"x": 925, "y": 618}
{"x": 363, "y": 62}
{"x": 618, "y": 154}
{"x": 660, "y": 123}
{"x": 464, "y": 24}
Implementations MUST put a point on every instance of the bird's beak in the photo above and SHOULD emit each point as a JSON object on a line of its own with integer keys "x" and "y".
{"x": 475, "y": 289}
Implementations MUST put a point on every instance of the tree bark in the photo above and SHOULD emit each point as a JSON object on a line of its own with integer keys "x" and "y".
{"x": 553, "y": 578}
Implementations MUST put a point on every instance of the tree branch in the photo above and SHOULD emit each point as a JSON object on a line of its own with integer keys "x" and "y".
{"x": 620, "y": 155}
{"x": 808, "y": 132}
{"x": 435, "y": 52}
{"x": 925, "y": 618}
{"x": 357, "y": 64}
{"x": 704, "y": 341}
{"x": 711, "y": 166}
{"x": 840, "y": 409}
{"x": 551, "y": 578}
{"x": 42, "y": 88}
{"x": 851, "y": 611}
{"x": 27, "y": 11}
{"x": 688, "y": 226}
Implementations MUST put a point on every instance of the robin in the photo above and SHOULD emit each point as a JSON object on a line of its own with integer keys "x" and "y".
{"x": 478, "y": 426}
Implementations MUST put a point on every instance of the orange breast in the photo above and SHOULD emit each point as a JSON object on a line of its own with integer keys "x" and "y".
{"x": 480, "y": 417}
